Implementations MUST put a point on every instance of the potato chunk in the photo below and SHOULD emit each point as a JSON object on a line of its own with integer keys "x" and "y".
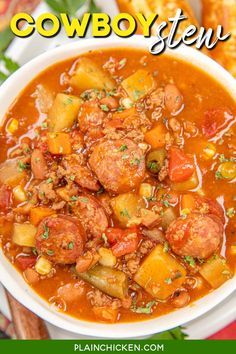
{"x": 138, "y": 85}
{"x": 24, "y": 235}
{"x": 63, "y": 112}
{"x": 160, "y": 274}
{"x": 90, "y": 76}
{"x": 126, "y": 207}
{"x": 12, "y": 172}
{"x": 216, "y": 272}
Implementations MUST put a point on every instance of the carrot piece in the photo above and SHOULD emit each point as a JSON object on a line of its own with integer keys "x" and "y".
{"x": 39, "y": 213}
{"x": 187, "y": 202}
{"x": 59, "y": 143}
{"x": 156, "y": 136}
{"x": 181, "y": 166}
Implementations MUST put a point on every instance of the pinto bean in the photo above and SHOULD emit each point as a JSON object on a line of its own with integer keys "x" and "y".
{"x": 181, "y": 299}
{"x": 110, "y": 102}
{"x": 38, "y": 164}
{"x": 173, "y": 99}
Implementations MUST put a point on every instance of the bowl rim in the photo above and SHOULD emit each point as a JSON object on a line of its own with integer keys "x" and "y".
{"x": 9, "y": 276}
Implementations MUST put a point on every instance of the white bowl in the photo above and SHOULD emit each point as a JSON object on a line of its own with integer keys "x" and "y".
{"x": 14, "y": 282}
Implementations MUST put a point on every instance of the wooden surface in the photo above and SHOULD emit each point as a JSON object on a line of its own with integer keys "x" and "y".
{"x": 27, "y": 325}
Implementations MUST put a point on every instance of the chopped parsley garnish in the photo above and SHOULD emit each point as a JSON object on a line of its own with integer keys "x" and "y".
{"x": 83, "y": 200}
{"x": 146, "y": 309}
{"x": 166, "y": 203}
{"x": 222, "y": 158}
{"x": 218, "y": 175}
{"x": 70, "y": 246}
{"x": 74, "y": 198}
{"x": 104, "y": 107}
{"x": 168, "y": 280}
{"x": 125, "y": 157}
{"x": 120, "y": 109}
{"x": 190, "y": 260}
{"x": 49, "y": 180}
{"x": 135, "y": 161}
{"x": 152, "y": 165}
{"x": 231, "y": 212}
{"x": 122, "y": 63}
{"x": 44, "y": 125}
{"x": 72, "y": 177}
{"x": 22, "y": 166}
{"x": 35, "y": 252}
{"x": 123, "y": 147}
{"x": 125, "y": 213}
{"x": 151, "y": 199}
{"x": 45, "y": 235}
{"x": 137, "y": 94}
{"x": 50, "y": 252}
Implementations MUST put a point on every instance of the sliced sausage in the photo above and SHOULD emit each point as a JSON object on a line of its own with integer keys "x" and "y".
{"x": 119, "y": 165}
{"x": 5, "y": 197}
{"x": 91, "y": 215}
{"x": 38, "y": 164}
{"x": 82, "y": 175}
{"x": 197, "y": 236}
{"x": 60, "y": 239}
{"x": 173, "y": 99}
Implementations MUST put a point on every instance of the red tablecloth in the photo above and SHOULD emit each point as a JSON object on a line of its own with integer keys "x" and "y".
{"x": 228, "y": 332}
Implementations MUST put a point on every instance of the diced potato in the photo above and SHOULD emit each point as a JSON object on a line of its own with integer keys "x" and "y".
{"x": 19, "y": 194}
{"x": 39, "y": 213}
{"x": 156, "y": 137}
{"x": 168, "y": 216}
{"x": 11, "y": 172}
{"x": 106, "y": 257}
{"x": 188, "y": 185}
{"x": 160, "y": 274}
{"x": 215, "y": 271}
{"x": 126, "y": 207}
{"x": 63, "y": 112}
{"x": 43, "y": 266}
{"x": 59, "y": 143}
{"x": 24, "y": 234}
{"x": 13, "y": 126}
{"x": 88, "y": 75}
{"x": 139, "y": 84}
{"x": 187, "y": 202}
{"x": 146, "y": 190}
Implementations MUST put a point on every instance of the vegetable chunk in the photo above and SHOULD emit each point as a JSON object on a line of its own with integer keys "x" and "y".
{"x": 110, "y": 281}
{"x": 138, "y": 85}
{"x": 12, "y": 172}
{"x": 24, "y": 235}
{"x": 216, "y": 271}
{"x": 63, "y": 112}
{"x": 90, "y": 76}
{"x": 59, "y": 143}
{"x": 160, "y": 274}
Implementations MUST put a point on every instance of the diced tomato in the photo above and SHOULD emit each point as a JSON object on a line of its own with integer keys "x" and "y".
{"x": 212, "y": 207}
{"x": 114, "y": 235}
{"x": 123, "y": 241}
{"x": 26, "y": 261}
{"x": 5, "y": 197}
{"x": 181, "y": 166}
{"x": 215, "y": 120}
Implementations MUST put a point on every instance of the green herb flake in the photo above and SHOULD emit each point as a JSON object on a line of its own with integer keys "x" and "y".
{"x": 49, "y": 180}
{"x": 22, "y": 166}
{"x": 152, "y": 165}
{"x": 104, "y": 107}
{"x": 135, "y": 162}
{"x": 44, "y": 125}
{"x": 83, "y": 200}
{"x": 123, "y": 147}
{"x": 190, "y": 260}
{"x": 168, "y": 280}
{"x": 146, "y": 309}
{"x": 137, "y": 94}
{"x": 70, "y": 245}
{"x": 230, "y": 212}
{"x": 50, "y": 252}
{"x": 120, "y": 109}
{"x": 105, "y": 239}
{"x": 72, "y": 177}
{"x": 74, "y": 198}
{"x": 122, "y": 63}
{"x": 218, "y": 175}
{"x": 125, "y": 213}
{"x": 35, "y": 252}
{"x": 45, "y": 235}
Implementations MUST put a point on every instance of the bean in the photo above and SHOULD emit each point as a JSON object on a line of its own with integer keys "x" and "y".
{"x": 181, "y": 299}
{"x": 173, "y": 98}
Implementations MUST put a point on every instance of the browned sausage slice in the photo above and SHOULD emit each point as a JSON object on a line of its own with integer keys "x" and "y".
{"x": 119, "y": 165}
{"x": 91, "y": 215}
{"x": 60, "y": 239}
{"x": 198, "y": 235}
{"x": 81, "y": 174}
